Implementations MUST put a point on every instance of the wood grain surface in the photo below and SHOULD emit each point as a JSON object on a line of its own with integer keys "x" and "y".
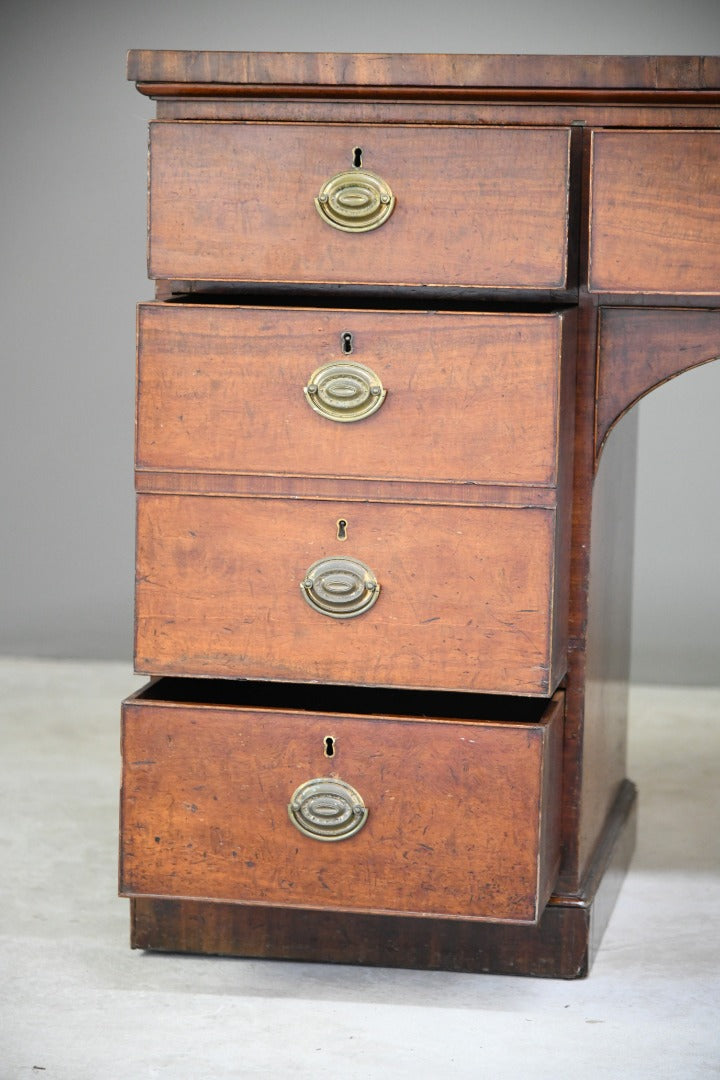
{"x": 655, "y": 212}
{"x": 429, "y": 71}
{"x": 680, "y": 109}
{"x": 561, "y": 945}
{"x": 643, "y": 348}
{"x": 461, "y": 821}
{"x": 465, "y": 593}
{"x": 465, "y": 493}
{"x": 471, "y": 398}
{"x": 475, "y": 206}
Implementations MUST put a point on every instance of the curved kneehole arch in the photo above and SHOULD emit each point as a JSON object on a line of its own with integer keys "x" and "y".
{"x": 640, "y": 349}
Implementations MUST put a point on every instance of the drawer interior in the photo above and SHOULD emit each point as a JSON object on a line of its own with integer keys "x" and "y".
{"x": 357, "y": 701}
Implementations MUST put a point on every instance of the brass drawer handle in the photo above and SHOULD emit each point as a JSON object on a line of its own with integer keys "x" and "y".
{"x": 344, "y": 391}
{"x": 327, "y": 809}
{"x": 340, "y": 587}
{"x": 355, "y": 201}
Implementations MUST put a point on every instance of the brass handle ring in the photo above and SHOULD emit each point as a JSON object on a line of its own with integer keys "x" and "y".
{"x": 355, "y": 201}
{"x": 327, "y": 809}
{"x": 340, "y": 587}
{"x": 344, "y": 391}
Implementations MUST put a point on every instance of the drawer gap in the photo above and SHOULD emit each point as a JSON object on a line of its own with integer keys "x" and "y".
{"x": 363, "y": 701}
{"x": 220, "y": 294}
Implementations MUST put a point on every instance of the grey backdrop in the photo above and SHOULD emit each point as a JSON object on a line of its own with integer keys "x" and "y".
{"x": 73, "y": 209}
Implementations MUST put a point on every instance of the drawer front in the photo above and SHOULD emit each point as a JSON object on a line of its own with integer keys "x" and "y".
{"x": 461, "y": 817}
{"x": 468, "y": 398}
{"x": 483, "y": 207}
{"x": 655, "y": 212}
{"x": 463, "y": 596}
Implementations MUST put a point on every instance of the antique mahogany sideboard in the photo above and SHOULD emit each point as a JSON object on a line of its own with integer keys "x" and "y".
{"x": 384, "y": 526}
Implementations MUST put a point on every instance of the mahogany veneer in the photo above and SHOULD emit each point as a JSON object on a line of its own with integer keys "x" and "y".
{"x": 471, "y": 398}
{"x": 206, "y": 793}
{"x": 219, "y": 592}
{"x": 655, "y": 212}
{"x": 547, "y": 253}
{"x": 229, "y": 202}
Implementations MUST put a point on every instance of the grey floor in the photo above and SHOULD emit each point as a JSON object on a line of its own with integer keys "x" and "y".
{"x": 78, "y": 1004}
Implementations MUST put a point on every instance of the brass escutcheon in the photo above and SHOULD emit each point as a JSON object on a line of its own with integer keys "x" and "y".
{"x": 344, "y": 391}
{"x": 340, "y": 587}
{"x": 327, "y": 809}
{"x": 355, "y": 201}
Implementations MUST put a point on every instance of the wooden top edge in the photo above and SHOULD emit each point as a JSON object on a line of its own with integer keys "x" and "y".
{"x": 425, "y": 71}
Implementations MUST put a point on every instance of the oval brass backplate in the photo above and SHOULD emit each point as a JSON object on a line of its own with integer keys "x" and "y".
{"x": 340, "y": 587}
{"x": 344, "y": 391}
{"x": 355, "y": 201}
{"x": 327, "y": 809}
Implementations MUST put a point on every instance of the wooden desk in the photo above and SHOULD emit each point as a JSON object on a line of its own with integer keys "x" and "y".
{"x": 384, "y": 521}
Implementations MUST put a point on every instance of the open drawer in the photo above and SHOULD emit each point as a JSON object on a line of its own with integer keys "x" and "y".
{"x": 360, "y": 204}
{"x": 431, "y": 804}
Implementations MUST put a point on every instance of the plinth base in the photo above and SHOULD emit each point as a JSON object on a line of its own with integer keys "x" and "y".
{"x": 561, "y": 946}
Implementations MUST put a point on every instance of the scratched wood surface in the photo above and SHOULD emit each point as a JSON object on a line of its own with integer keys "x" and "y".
{"x": 461, "y": 821}
{"x": 471, "y": 398}
{"x": 475, "y": 206}
{"x": 231, "y": 204}
{"x": 655, "y": 212}
{"x": 678, "y": 110}
{"x": 432, "y": 73}
{"x": 641, "y": 349}
{"x": 465, "y": 593}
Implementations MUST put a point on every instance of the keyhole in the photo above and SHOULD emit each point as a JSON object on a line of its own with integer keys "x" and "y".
{"x": 357, "y": 157}
{"x": 342, "y": 529}
{"x": 329, "y": 746}
{"x": 346, "y": 341}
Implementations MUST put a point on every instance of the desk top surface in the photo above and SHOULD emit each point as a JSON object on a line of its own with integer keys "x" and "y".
{"x": 429, "y": 72}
